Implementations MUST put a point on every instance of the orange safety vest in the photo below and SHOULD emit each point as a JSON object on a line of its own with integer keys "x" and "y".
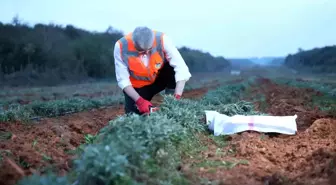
{"x": 140, "y": 75}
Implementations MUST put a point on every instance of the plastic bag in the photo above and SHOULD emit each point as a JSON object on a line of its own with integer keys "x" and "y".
{"x": 222, "y": 124}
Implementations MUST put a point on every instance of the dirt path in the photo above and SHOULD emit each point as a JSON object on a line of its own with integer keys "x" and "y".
{"x": 307, "y": 158}
{"x": 44, "y": 144}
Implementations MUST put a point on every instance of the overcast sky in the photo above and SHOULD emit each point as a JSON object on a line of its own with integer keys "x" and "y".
{"x": 235, "y": 28}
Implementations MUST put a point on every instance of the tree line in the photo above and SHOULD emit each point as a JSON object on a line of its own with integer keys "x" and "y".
{"x": 49, "y": 54}
{"x": 317, "y": 60}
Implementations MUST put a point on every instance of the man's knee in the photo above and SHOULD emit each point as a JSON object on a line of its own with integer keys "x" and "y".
{"x": 169, "y": 91}
{"x": 169, "y": 76}
{"x": 168, "y": 69}
{"x": 130, "y": 109}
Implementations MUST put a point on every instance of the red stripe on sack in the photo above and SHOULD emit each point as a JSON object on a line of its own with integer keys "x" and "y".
{"x": 251, "y": 123}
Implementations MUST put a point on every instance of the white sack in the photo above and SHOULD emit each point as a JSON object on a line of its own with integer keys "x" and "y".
{"x": 222, "y": 124}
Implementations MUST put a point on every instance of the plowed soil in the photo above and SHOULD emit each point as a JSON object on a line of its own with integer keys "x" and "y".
{"x": 45, "y": 144}
{"x": 307, "y": 158}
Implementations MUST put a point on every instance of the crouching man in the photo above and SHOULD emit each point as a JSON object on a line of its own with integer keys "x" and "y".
{"x": 146, "y": 63}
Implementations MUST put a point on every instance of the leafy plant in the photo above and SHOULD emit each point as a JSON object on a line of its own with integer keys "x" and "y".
{"x": 89, "y": 138}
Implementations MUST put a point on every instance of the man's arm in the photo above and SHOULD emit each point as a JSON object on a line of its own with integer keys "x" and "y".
{"x": 182, "y": 74}
{"x": 122, "y": 74}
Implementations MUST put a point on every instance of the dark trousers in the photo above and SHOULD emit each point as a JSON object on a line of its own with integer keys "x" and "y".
{"x": 164, "y": 80}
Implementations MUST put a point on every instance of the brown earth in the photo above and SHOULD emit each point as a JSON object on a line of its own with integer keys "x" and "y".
{"x": 44, "y": 144}
{"x": 307, "y": 158}
{"x": 35, "y": 147}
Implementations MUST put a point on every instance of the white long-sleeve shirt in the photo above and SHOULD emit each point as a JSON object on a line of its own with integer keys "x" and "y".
{"x": 172, "y": 54}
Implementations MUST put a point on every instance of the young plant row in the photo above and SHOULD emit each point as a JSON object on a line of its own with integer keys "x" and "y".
{"x": 52, "y": 108}
{"x": 148, "y": 149}
{"x": 55, "y": 108}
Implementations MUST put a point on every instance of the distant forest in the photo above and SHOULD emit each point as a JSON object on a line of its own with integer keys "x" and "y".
{"x": 53, "y": 54}
{"x": 318, "y": 60}
{"x": 49, "y": 54}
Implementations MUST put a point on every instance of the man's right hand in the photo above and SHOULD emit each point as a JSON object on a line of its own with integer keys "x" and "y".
{"x": 177, "y": 96}
{"x": 143, "y": 105}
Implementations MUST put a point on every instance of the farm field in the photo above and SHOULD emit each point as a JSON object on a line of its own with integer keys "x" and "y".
{"x": 78, "y": 133}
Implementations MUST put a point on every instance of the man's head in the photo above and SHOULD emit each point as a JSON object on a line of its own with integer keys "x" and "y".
{"x": 143, "y": 38}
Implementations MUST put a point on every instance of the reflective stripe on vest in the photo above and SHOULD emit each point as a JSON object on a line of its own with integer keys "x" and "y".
{"x": 125, "y": 54}
{"x": 139, "y": 77}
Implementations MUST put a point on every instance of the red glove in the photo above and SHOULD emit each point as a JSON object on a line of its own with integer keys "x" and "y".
{"x": 143, "y": 105}
{"x": 177, "y": 96}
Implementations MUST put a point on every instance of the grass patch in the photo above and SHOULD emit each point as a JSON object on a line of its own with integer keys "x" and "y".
{"x": 326, "y": 102}
{"x": 220, "y": 163}
{"x": 5, "y": 135}
{"x": 220, "y": 141}
{"x": 326, "y": 88}
{"x": 55, "y": 108}
{"x": 4, "y": 153}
